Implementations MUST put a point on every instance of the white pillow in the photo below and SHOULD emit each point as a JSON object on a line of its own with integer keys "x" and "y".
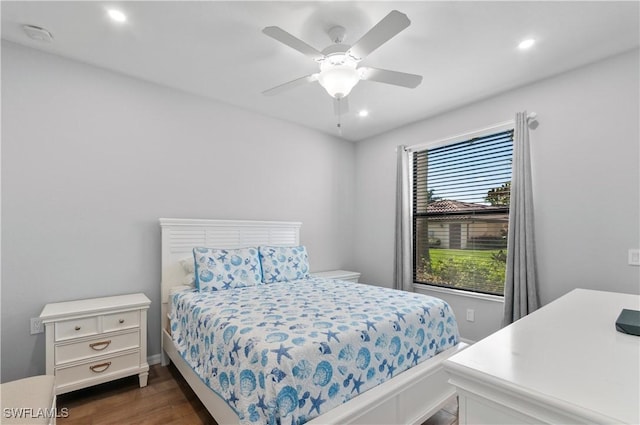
{"x": 188, "y": 264}
{"x": 189, "y": 280}
{"x": 179, "y": 288}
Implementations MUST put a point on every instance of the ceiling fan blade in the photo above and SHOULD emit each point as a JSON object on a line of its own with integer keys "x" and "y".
{"x": 291, "y": 84}
{"x": 382, "y": 32}
{"x": 340, "y": 106}
{"x": 295, "y": 43}
{"x": 391, "y": 77}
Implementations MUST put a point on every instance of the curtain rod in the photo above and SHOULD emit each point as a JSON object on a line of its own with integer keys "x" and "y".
{"x": 468, "y": 135}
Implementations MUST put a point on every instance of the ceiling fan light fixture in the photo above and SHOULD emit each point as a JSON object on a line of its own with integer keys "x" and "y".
{"x": 338, "y": 75}
{"x": 339, "y": 72}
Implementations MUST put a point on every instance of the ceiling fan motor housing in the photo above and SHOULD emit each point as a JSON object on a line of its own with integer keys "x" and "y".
{"x": 335, "y": 49}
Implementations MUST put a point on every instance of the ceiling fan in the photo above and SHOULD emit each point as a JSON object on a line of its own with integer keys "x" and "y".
{"x": 339, "y": 71}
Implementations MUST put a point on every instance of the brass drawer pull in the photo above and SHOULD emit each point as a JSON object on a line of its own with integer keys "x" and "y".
{"x": 77, "y": 328}
{"x": 121, "y": 321}
{"x": 105, "y": 366}
{"x": 95, "y": 345}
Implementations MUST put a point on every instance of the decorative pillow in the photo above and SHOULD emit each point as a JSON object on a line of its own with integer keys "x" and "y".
{"x": 284, "y": 263}
{"x": 217, "y": 269}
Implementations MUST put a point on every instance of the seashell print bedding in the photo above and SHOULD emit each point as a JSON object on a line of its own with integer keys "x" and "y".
{"x": 290, "y": 351}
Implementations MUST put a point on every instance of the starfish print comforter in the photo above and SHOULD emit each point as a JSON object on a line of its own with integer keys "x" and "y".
{"x": 284, "y": 353}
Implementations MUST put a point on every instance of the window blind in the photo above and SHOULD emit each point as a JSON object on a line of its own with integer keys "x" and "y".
{"x": 461, "y": 196}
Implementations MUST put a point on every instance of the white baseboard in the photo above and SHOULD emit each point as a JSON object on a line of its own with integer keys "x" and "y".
{"x": 154, "y": 359}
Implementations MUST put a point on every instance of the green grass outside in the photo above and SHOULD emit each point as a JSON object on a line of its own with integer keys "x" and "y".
{"x": 477, "y": 270}
{"x": 441, "y": 253}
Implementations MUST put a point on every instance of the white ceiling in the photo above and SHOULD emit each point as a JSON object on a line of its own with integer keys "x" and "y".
{"x": 465, "y": 51}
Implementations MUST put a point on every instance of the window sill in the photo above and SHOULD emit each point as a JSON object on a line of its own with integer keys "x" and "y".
{"x": 421, "y": 288}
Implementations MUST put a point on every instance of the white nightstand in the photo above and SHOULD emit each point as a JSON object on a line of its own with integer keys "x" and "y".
{"x": 96, "y": 340}
{"x": 338, "y": 274}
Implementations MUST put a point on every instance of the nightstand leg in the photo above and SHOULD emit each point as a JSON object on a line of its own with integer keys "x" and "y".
{"x": 143, "y": 379}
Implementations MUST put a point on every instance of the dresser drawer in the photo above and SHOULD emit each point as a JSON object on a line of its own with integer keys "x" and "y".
{"x": 76, "y": 328}
{"x": 99, "y": 346}
{"x": 117, "y": 321}
{"x": 97, "y": 369}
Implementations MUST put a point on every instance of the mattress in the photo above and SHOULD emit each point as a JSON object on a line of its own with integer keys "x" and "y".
{"x": 290, "y": 351}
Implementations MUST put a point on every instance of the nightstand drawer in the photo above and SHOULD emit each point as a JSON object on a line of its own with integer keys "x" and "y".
{"x": 125, "y": 320}
{"x": 66, "y": 353}
{"x": 95, "y": 340}
{"x": 76, "y": 328}
{"x": 96, "y": 369}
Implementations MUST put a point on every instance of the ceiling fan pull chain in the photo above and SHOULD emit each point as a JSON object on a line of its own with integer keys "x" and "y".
{"x": 339, "y": 124}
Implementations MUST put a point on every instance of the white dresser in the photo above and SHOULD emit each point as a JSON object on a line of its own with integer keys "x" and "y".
{"x": 564, "y": 363}
{"x": 338, "y": 274}
{"x": 96, "y": 340}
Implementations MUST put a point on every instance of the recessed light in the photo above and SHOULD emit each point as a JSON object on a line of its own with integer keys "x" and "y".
{"x": 363, "y": 113}
{"x": 117, "y": 15}
{"x": 526, "y": 44}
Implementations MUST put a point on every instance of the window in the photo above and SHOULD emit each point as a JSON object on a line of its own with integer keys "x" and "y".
{"x": 461, "y": 198}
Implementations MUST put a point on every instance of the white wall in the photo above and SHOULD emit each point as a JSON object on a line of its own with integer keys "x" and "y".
{"x": 586, "y": 177}
{"x": 91, "y": 159}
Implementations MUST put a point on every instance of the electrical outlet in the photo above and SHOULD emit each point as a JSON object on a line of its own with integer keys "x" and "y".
{"x": 634, "y": 257}
{"x": 471, "y": 315}
{"x": 36, "y": 326}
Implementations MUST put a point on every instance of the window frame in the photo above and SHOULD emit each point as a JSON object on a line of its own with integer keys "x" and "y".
{"x": 422, "y": 286}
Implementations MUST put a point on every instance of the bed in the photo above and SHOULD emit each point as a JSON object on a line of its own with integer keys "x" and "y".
{"x": 375, "y": 391}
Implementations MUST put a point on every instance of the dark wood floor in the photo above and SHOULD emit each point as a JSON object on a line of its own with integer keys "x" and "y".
{"x": 167, "y": 400}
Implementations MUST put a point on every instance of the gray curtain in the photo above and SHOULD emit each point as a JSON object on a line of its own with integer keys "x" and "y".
{"x": 520, "y": 289}
{"x": 403, "y": 275}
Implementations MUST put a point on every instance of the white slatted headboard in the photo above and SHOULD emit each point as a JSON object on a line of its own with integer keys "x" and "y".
{"x": 180, "y": 236}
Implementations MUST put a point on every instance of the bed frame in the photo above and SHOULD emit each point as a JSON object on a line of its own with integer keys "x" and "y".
{"x": 408, "y": 398}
